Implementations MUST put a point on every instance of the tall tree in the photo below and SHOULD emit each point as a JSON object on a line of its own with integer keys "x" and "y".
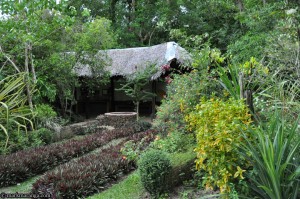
{"x": 135, "y": 86}
{"x": 37, "y": 36}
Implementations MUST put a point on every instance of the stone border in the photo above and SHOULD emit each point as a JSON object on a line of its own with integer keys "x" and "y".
{"x": 121, "y": 114}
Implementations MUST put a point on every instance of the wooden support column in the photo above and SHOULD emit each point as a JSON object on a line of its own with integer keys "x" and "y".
{"x": 77, "y": 98}
{"x": 153, "y": 109}
{"x": 112, "y": 94}
{"x": 87, "y": 108}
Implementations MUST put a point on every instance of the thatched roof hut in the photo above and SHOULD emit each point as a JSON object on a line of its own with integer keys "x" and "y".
{"x": 124, "y": 62}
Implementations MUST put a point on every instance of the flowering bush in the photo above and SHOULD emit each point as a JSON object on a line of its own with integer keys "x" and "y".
{"x": 218, "y": 126}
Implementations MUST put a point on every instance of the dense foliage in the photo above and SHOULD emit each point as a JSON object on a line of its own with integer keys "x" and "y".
{"x": 182, "y": 95}
{"x": 249, "y": 47}
{"x": 46, "y": 41}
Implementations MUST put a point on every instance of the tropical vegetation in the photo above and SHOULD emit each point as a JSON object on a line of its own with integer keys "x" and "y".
{"x": 228, "y": 124}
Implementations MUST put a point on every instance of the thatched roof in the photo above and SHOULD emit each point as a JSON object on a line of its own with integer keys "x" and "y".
{"x": 126, "y": 61}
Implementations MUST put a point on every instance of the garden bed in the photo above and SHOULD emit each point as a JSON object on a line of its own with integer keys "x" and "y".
{"x": 19, "y": 166}
{"x": 90, "y": 173}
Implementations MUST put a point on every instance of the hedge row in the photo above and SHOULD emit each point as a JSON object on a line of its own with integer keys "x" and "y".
{"x": 89, "y": 174}
{"x": 22, "y": 165}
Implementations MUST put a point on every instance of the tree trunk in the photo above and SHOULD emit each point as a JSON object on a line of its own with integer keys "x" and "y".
{"x": 32, "y": 65}
{"x": 29, "y": 97}
{"x": 112, "y": 11}
{"x": 240, "y": 5}
{"x": 241, "y": 79}
{"x": 153, "y": 99}
{"x": 297, "y": 60}
{"x": 249, "y": 102}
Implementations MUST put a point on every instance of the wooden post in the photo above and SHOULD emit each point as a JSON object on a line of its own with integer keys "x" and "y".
{"x": 153, "y": 99}
{"x": 77, "y": 98}
{"x": 112, "y": 94}
{"x": 87, "y": 108}
{"x": 240, "y": 5}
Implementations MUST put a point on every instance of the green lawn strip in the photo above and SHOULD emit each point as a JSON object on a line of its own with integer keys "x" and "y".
{"x": 111, "y": 143}
{"x": 24, "y": 187}
{"x": 129, "y": 188}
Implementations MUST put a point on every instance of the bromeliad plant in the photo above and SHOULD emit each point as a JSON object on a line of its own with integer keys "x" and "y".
{"x": 14, "y": 113}
{"x": 275, "y": 156}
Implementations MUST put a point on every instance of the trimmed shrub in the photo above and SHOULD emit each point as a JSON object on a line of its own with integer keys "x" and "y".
{"x": 116, "y": 121}
{"x": 22, "y": 165}
{"x": 154, "y": 168}
{"x": 81, "y": 128}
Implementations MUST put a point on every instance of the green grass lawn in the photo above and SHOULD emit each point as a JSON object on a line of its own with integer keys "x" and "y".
{"x": 24, "y": 187}
{"x": 130, "y": 188}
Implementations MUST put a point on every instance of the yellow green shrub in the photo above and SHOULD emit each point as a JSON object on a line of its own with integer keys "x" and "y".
{"x": 218, "y": 126}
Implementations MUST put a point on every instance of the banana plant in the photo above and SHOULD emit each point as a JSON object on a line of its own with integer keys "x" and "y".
{"x": 14, "y": 113}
